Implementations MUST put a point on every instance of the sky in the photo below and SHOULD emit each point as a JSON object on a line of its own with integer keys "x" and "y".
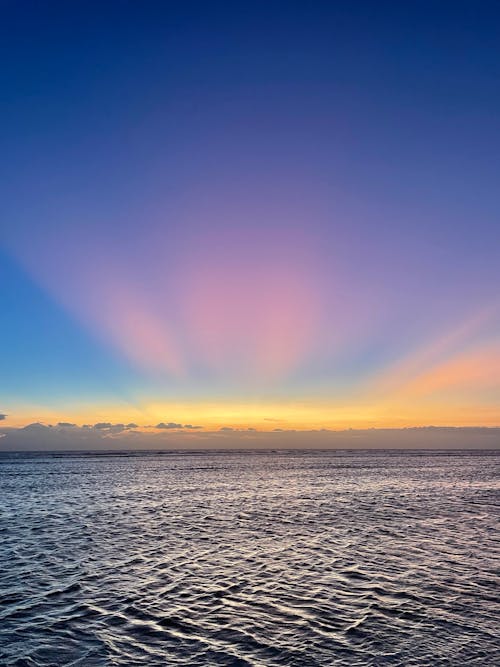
{"x": 280, "y": 216}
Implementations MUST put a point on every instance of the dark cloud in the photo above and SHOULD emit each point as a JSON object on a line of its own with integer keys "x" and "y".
{"x": 109, "y": 436}
{"x": 108, "y": 427}
{"x": 35, "y": 427}
{"x": 2, "y": 416}
{"x": 65, "y": 436}
{"x": 175, "y": 425}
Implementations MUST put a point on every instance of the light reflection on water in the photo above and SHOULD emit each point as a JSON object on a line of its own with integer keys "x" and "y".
{"x": 294, "y": 558}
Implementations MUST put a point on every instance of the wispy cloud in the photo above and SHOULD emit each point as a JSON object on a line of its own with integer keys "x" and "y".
{"x": 468, "y": 355}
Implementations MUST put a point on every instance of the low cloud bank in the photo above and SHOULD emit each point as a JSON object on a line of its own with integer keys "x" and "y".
{"x": 109, "y": 436}
{"x": 170, "y": 426}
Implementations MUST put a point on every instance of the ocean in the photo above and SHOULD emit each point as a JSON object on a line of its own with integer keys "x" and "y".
{"x": 250, "y": 558}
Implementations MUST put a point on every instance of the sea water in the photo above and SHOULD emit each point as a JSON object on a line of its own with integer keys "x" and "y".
{"x": 250, "y": 558}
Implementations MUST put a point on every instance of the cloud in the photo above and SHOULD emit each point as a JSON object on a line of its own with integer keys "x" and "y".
{"x": 35, "y": 427}
{"x": 108, "y": 427}
{"x": 175, "y": 426}
{"x": 43, "y": 437}
{"x": 68, "y": 436}
{"x": 2, "y": 416}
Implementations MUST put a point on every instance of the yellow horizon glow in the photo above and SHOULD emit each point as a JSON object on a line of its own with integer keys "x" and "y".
{"x": 266, "y": 415}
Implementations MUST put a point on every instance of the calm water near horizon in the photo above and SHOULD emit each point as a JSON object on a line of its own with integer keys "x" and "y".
{"x": 250, "y": 558}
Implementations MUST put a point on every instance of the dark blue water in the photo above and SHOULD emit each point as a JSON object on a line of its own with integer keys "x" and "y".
{"x": 250, "y": 559}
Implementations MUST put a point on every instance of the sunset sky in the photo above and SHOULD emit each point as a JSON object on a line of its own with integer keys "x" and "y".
{"x": 276, "y": 215}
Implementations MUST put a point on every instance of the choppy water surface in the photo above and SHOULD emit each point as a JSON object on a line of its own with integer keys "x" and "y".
{"x": 250, "y": 559}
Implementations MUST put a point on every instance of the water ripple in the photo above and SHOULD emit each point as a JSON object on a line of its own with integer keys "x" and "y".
{"x": 251, "y": 559}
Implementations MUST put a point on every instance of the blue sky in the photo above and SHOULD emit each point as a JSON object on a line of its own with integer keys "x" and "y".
{"x": 238, "y": 212}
